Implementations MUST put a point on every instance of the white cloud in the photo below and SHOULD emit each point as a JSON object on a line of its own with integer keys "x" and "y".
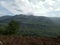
{"x": 36, "y": 7}
{"x": 1, "y": 13}
{"x": 9, "y": 6}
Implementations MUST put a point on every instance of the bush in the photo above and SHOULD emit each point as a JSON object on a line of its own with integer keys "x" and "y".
{"x": 12, "y": 28}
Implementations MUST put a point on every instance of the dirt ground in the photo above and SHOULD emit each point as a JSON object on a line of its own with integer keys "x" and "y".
{"x": 16, "y": 40}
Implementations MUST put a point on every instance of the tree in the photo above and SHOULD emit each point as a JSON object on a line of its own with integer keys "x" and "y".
{"x": 12, "y": 28}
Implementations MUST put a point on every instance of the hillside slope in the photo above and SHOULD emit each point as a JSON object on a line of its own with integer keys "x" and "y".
{"x": 33, "y": 25}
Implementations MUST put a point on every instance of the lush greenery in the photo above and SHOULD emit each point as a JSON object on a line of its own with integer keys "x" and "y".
{"x": 10, "y": 29}
{"x": 29, "y": 26}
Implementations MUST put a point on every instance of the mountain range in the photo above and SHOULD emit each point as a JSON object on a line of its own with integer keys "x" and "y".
{"x": 35, "y": 25}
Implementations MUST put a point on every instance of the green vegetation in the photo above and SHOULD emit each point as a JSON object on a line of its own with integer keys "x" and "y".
{"x": 10, "y": 29}
{"x": 29, "y": 26}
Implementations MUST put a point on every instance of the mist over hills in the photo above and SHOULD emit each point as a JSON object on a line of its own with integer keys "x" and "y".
{"x": 26, "y": 19}
{"x": 35, "y": 25}
{"x": 56, "y": 20}
{"x": 30, "y": 19}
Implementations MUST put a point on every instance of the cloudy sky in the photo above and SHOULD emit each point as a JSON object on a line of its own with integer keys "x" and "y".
{"x": 36, "y": 7}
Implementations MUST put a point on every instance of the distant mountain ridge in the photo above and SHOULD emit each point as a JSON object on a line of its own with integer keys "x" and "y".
{"x": 34, "y": 25}
{"x": 26, "y": 19}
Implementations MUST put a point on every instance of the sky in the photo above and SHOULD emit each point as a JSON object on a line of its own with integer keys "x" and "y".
{"x": 49, "y": 8}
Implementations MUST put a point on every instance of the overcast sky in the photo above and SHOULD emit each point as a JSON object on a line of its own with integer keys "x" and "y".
{"x": 36, "y": 7}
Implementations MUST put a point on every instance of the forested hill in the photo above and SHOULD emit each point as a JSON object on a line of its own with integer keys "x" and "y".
{"x": 34, "y": 25}
{"x": 27, "y": 19}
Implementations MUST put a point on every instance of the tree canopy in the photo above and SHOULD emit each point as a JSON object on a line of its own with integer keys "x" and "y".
{"x": 12, "y": 28}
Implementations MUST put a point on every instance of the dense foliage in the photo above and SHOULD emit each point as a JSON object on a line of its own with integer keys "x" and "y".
{"x": 10, "y": 29}
{"x": 29, "y": 26}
